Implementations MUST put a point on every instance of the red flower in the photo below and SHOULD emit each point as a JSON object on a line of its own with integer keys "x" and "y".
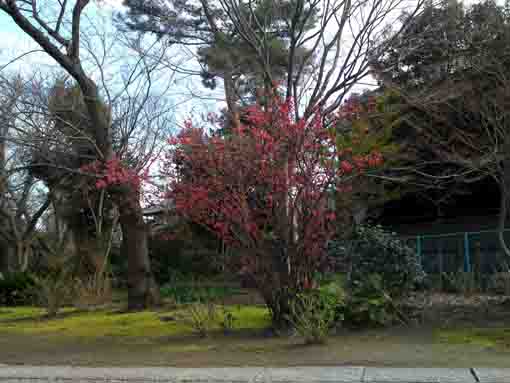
{"x": 346, "y": 167}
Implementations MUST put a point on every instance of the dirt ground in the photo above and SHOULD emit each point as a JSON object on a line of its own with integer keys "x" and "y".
{"x": 406, "y": 347}
{"x": 450, "y": 331}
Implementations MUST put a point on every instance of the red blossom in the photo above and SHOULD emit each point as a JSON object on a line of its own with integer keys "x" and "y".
{"x": 114, "y": 173}
{"x": 238, "y": 186}
{"x": 346, "y": 166}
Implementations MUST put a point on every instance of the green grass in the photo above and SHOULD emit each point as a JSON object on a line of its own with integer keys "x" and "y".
{"x": 486, "y": 337}
{"x": 17, "y": 313}
{"x": 105, "y": 323}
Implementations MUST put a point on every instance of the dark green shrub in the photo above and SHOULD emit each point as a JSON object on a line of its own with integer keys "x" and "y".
{"x": 460, "y": 282}
{"x": 369, "y": 305}
{"x": 187, "y": 249}
{"x": 499, "y": 283}
{"x": 373, "y": 250}
{"x": 16, "y": 289}
{"x": 182, "y": 293}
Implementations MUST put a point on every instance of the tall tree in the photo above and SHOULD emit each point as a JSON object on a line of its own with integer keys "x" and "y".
{"x": 337, "y": 50}
{"x": 64, "y": 46}
{"x": 221, "y": 51}
{"x": 454, "y": 100}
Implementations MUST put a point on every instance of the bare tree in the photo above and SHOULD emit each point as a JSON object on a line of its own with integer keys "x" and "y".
{"x": 338, "y": 48}
{"x": 62, "y": 40}
{"x": 21, "y": 203}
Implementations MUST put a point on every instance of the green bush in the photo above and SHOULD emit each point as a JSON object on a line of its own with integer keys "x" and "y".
{"x": 373, "y": 250}
{"x": 182, "y": 293}
{"x": 16, "y": 289}
{"x": 201, "y": 317}
{"x": 460, "y": 283}
{"x": 192, "y": 250}
{"x": 499, "y": 283}
{"x": 369, "y": 305}
{"x": 227, "y": 320}
{"x": 314, "y": 312}
{"x": 53, "y": 291}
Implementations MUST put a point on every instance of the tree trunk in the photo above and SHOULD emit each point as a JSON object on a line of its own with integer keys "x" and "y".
{"x": 142, "y": 288}
{"x": 5, "y": 257}
{"x": 279, "y": 303}
{"x": 22, "y": 255}
{"x": 231, "y": 98}
{"x": 277, "y": 286}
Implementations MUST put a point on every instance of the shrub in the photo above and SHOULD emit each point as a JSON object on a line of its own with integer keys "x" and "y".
{"x": 16, "y": 289}
{"x": 313, "y": 313}
{"x": 373, "y": 250}
{"x": 92, "y": 291}
{"x": 182, "y": 293}
{"x": 53, "y": 290}
{"x": 460, "y": 282}
{"x": 499, "y": 283}
{"x": 201, "y": 317}
{"x": 369, "y": 305}
{"x": 227, "y": 321}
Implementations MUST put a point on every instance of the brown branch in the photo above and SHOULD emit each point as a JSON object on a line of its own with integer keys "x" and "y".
{"x": 75, "y": 39}
{"x": 42, "y": 23}
{"x": 35, "y": 218}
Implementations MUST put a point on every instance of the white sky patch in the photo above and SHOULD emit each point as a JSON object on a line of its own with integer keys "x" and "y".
{"x": 13, "y": 45}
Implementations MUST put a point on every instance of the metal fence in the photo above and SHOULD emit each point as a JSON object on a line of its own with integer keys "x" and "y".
{"x": 478, "y": 252}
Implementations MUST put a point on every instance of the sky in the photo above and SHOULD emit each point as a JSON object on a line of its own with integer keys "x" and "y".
{"x": 14, "y": 42}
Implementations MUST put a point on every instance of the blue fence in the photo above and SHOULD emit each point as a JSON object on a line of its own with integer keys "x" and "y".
{"x": 478, "y": 251}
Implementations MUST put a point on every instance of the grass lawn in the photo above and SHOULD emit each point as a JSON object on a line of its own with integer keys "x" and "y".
{"x": 107, "y": 337}
{"x": 91, "y": 325}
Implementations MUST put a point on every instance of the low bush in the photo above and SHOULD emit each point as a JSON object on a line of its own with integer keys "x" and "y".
{"x": 370, "y": 305}
{"x": 16, "y": 289}
{"x": 189, "y": 293}
{"x": 202, "y": 318}
{"x": 460, "y": 283}
{"x": 93, "y": 290}
{"x": 499, "y": 283}
{"x": 53, "y": 290}
{"x": 314, "y": 313}
{"x": 373, "y": 250}
{"x": 228, "y": 320}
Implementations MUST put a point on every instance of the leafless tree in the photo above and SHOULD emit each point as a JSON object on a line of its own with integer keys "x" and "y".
{"x": 338, "y": 48}
{"x": 110, "y": 129}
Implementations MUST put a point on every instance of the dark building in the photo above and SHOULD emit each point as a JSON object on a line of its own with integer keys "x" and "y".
{"x": 459, "y": 234}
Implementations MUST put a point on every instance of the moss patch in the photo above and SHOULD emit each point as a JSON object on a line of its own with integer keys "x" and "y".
{"x": 104, "y": 324}
{"x": 487, "y": 337}
{"x": 20, "y": 313}
{"x": 251, "y": 317}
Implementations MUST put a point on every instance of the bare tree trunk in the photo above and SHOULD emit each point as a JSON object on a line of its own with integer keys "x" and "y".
{"x": 231, "y": 98}
{"x": 22, "y": 255}
{"x": 142, "y": 288}
{"x": 5, "y": 257}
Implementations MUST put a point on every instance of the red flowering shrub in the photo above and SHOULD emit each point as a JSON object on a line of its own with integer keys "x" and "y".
{"x": 116, "y": 178}
{"x": 266, "y": 190}
{"x": 113, "y": 172}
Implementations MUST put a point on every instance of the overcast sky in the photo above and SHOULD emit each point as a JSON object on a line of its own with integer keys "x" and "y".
{"x": 13, "y": 42}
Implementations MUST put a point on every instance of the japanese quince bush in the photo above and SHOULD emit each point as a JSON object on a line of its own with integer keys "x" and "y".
{"x": 266, "y": 191}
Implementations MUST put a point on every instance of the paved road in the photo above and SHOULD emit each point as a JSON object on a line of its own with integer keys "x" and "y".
{"x": 23, "y": 374}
